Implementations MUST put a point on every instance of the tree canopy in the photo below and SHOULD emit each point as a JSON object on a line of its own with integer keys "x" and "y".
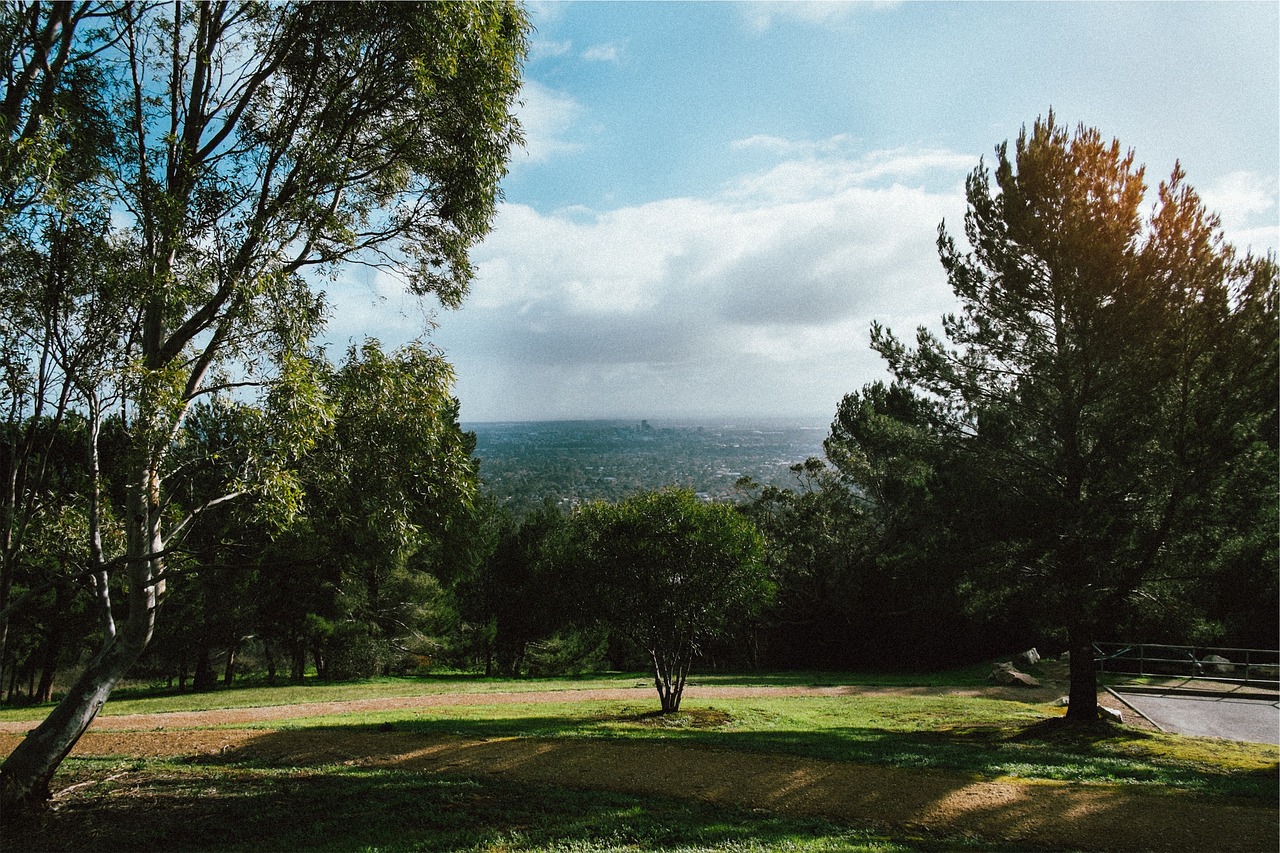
{"x": 1108, "y": 374}
{"x": 671, "y": 573}
{"x": 180, "y": 179}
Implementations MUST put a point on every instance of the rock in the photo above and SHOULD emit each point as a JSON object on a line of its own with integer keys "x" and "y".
{"x": 1030, "y": 657}
{"x": 1065, "y": 657}
{"x": 1104, "y": 713}
{"x": 1216, "y": 665}
{"x": 999, "y": 669}
{"x": 1005, "y": 673}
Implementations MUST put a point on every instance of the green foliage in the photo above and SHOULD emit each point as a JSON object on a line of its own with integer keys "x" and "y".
{"x": 1074, "y": 431}
{"x": 174, "y": 180}
{"x": 857, "y": 586}
{"x": 670, "y": 573}
{"x": 516, "y": 596}
{"x": 389, "y": 487}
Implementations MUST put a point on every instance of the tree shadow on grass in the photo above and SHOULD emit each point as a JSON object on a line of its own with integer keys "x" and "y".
{"x": 1048, "y": 749}
{"x": 451, "y": 784}
{"x": 770, "y": 771}
{"x": 179, "y": 809}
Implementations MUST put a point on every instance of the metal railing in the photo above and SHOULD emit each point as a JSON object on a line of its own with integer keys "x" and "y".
{"x": 1259, "y": 667}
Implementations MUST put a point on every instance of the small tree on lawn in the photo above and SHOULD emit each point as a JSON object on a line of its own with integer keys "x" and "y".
{"x": 670, "y": 573}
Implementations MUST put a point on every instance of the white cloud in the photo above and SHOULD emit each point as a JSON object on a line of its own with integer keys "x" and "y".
{"x": 793, "y": 148}
{"x": 548, "y": 117}
{"x": 608, "y": 52}
{"x": 1246, "y": 202}
{"x": 540, "y": 48}
{"x": 761, "y": 15}
{"x": 814, "y": 173}
{"x": 750, "y": 300}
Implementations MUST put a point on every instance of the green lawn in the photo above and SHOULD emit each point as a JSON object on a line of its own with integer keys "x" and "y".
{"x": 155, "y": 805}
{"x": 158, "y": 701}
{"x": 986, "y": 737}
{"x": 151, "y": 804}
{"x": 152, "y": 700}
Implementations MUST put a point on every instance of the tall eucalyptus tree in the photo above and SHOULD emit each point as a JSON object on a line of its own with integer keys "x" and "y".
{"x": 259, "y": 148}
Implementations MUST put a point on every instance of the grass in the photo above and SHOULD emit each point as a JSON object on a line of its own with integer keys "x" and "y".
{"x": 243, "y": 804}
{"x": 153, "y": 805}
{"x": 983, "y": 737}
{"x": 965, "y": 734}
{"x": 155, "y": 700}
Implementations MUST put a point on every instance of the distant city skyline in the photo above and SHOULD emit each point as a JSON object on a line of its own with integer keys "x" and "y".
{"x": 715, "y": 200}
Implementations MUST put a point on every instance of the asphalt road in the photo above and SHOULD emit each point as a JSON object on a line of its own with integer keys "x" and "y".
{"x": 1231, "y": 717}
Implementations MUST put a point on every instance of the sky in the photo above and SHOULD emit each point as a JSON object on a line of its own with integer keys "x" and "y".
{"x": 715, "y": 201}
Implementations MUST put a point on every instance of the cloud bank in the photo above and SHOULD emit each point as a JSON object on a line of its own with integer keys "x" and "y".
{"x": 756, "y": 300}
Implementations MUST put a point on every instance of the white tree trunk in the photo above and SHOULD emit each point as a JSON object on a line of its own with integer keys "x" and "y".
{"x": 27, "y": 772}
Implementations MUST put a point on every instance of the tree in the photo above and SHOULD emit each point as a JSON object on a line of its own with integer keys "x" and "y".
{"x": 671, "y": 573}
{"x": 53, "y": 220}
{"x": 389, "y": 487}
{"x": 817, "y": 547}
{"x": 512, "y": 593}
{"x": 49, "y": 52}
{"x": 1102, "y": 373}
{"x": 262, "y": 146}
{"x": 924, "y": 592}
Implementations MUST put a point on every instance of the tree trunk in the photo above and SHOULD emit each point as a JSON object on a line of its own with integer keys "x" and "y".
{"x": 669, "y": 674}
{"x": 269, "y": 651}
{"x": 4, "y": 636}
{"x": 229, "y": 672}
{"x": 297, "y": 660}
{"x": 204, "y": 679}
{"x": 1083, "y": 693}
{"x": 52, "y": 647}
{"x": 27, "y": 772}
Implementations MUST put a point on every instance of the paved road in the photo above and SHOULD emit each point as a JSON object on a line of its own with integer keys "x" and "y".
{"x": 1232, "y": 717}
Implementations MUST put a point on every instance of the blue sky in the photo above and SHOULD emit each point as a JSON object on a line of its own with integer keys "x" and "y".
{"x": 715, "y": 200}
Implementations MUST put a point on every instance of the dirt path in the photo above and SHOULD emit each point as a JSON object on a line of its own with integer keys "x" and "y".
{"x": 643, "y": 695}
{"x": 1038, "y": 814}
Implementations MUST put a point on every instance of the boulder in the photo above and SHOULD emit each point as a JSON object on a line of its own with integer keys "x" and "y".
{"x": 1030, "y": 657}
{"x": 1215, "y": 665}
{"x": 1005, "y": 673}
